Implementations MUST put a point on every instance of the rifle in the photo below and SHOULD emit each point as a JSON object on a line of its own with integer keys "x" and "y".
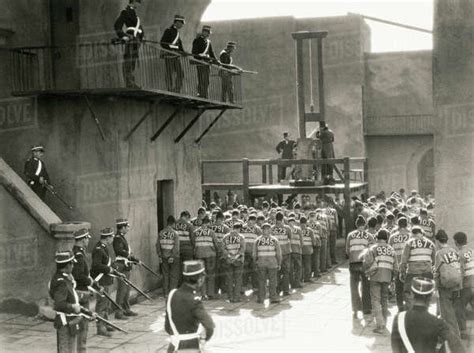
{"x": 130, "y": 284}
{"x": 249, "y": 72}
{"x": 103, "y": 293}
{"x": 50, "y": 188}
{"x": 148, "y": 269}
{"x": 89, "y": 315}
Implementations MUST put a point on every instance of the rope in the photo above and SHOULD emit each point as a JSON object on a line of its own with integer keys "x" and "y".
{"x": 310, "y": 77}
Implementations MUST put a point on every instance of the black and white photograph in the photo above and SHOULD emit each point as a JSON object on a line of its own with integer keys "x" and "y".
{"x": 216, "y": 176}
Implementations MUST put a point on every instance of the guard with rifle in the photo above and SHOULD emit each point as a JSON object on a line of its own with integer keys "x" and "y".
{"x": 132, "y": 36}
{"x": 102, "y": 271}
{"x": 173, "y": 44}
{"x": 124, "y": 261}
{"x": 203, "y": 52}
{"x": 35, "y": 171}
{"x": 225, "y": 58}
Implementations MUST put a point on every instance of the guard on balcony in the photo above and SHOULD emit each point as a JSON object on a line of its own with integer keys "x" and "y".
{"x": 172, "y": 42}
{"x": 132, "y": 37}
{"x": 35, "y": 172}
{"x": 202, "y": 51}
{"x": 225, "y": 58}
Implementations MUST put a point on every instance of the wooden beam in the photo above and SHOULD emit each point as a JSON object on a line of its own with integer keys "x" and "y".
{"x": 165, "y": 124}
{"x": 309, "y": 35}
{"x": 338, "y": 172}
{"x": 264, "y": 174}
{"x": 189, "y": 126}
{"x": 313, "y": 117}
{"x": 143, "y": 118}
{"x": 96, "y": 120}
{"x": 210, "y": 126}
{"x": 246, "y": 180}
{"x": 270, "y": 173}
{"x": 322, "y": 108}
{"x": 300, "y": 86}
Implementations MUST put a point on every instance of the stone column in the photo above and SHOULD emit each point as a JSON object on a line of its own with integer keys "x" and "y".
{"x": 453, "y": 92}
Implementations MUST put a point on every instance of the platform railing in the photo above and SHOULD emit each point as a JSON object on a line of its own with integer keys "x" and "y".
{"x": 99, "y": 66}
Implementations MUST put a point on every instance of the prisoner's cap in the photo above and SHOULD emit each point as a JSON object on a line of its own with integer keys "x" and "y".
{"x": 81, "y": 234}
{"x": 237, "y": 225}
{"x": 37, "y": 148}
{"x": 441, "y": 236}
{"x": 260, "y": 217}
{"x": 415, "y": 220}
{"x": 414, "y": 192}
{"x": 212, "y": 205}
{"x": 416, "y": 230}
{"x": 206, "y": 28}
{"x": 62, "y": 257}
{"x": 423, "y": 211}
{"x": 430, "y": 206}
{"x": 266, "y": 225}
{"x": 180, "y": 18}
{"x": 205, "y": 220}
{"x": 292, "y": 215}
{"x": 297, "y": 206}
{"x": 121, "y": 222}
{"x": 201, "y": 210}
{"x": 422, "y": 286}
{"x": 303, "y": 220}
{"x": 235, "y": 213}
{"x": 106, "y": 232}
{"x": 252, "y": 217}
{"x": 265, "y": 204}
{"x": 360, "y": 221}
{"x": 372, "y": 199}
{"x": 291, "y": 219}
{"x": 231, "y": 44}
{"x": 390, "y": 215}
{"x": 274, "y": 205}
{"x": 312, "y": 213}
{"x": 193, "y": 267}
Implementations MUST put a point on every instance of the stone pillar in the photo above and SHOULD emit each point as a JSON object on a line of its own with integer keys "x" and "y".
{"x": 453, "y": 92}
{"x": 64, "y": 233}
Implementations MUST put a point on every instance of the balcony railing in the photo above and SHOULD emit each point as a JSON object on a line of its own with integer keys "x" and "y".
{"x": 99, "y": 66}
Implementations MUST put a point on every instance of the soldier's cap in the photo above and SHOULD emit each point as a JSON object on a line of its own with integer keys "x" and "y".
{"x": 106, "y": 232}
{"x": 360, "y": 221}
{"x": 416, "y": 230}
{"x": 62, "y": 257}
{"x": 423, "y": 211}
{"x": 312, "y": 213}
{"x": 423, "y": 286}
{"x": 81, "y": 233}
{"x": 231, "y": 43}
{"x": 193, "y": 267}
{"x": 121, "y": 222}
{"x": 212, "y": 204}
{"x": 206, "y": 28}
{"x": 37, "y": 148}
{"x": 205, "y": 220}
{"x": 180, "y": 18}
{"x": 266, "y": 225}
{"x": 237, "y": 225}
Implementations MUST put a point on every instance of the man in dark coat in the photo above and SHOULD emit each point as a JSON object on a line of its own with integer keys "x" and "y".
{"x": 226, "y": 60}
{"x": 326, "y": 136}
{"x": 171, "y": 41}
{"x": 202, "y": 51}
{"x": 286, "y": 148}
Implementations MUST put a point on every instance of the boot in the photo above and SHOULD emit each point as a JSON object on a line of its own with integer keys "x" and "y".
{"x": 102, "y": 330}
{"x": 119, "y": 315}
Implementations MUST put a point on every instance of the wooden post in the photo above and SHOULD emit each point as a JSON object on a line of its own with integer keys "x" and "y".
{"x": 270, "y": 173}
{"x": 366, "y": 171}
{"x": 246, "y": 180}
{"x": 300, "y": 85}
{"x": 264, "y": 173}
{"x": 321, "y": 80}
{"x": 347, "y": 196}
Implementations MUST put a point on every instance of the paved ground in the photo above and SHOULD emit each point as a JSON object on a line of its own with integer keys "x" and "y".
{"x": 318, "y": 318}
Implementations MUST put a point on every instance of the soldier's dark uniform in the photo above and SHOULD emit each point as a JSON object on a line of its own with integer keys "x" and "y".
{"x": 185, "y": 312}
{"x": 80, "y": 272}
{"x": 123, "y": 258}
{"x": 225, "y": 58}
{"x": 62, "y": 291}
{"x": 100, "y": 270}
{"x": 34, "y": 170}
{"x": 134, "y": 31}
{"x": 202, "y": 50}
{"x": 172, "y": 42}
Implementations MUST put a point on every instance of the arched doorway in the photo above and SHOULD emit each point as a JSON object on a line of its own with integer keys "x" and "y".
{"x": 426, "y": 173}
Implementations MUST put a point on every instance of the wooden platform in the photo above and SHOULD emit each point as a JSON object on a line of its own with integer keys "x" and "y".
{"x": 262, "y": 190}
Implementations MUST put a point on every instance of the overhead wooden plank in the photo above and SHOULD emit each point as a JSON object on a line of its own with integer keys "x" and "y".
{"x": 309, "y": 35}
{"x": 313, "y": 117}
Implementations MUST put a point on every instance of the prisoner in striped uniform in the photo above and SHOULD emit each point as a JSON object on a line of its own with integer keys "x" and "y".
{"x": 267, "y": 255}
{"x": 358, "y": 241}
{"x": 250, "y": 231}
{"x": 323, "y": 220}
{"x": 283, "y": 233}
{"x": 398, "y": 240}
{"x": 296, "y": 261}
{"x": 380, "y": 263}
{"x": 310, "y": 241}
{"x": 220, "y": 230}
{"x": 234, "y": 254}
{"x": 427, "y": 224}
{"x": 167, "y": 248}
{"x": 205, "y": 250}
{"x": 417, "y": 260}
{"x": 315, "y": 226}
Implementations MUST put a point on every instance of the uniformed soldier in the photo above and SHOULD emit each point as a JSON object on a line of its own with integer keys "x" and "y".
{"x": 185, "y": 311}
{"x": 226, "y": 60}
{"x": 167, "y": 249}
{"x": 233, "y": 252}
{"x": 309, "y": 242}
{"x": 206, "y": 250}
{"x": 202, "y": 51}
{"x": 267, "y": 256}
{"x": 220, "y": 230}
{"x": 416, "y": 330}
{"x": 447, "y": 273}
{"x": 296, "y": 260}
{"x": 35, "y": 171}
{"x": 381, "y": 267}
{"x": 100, "y": 270}
{"x": 283, "y": 233}
{"x": 358, "y": 241}
{"x": 185, "y": 232}
{"x": 66, "y": 303}
{"x": 417, "y": 260}
{"x": 250, "y": 231}
{"x": 398, "y": 240}
{"x": 466, "y": 255}
{"x": 80, "y": 272}
{"x": 171, "y": 41}
{"x": 124, "y": 262}
{"x": 427, "y": 224}
{"x": 132, "y": 37}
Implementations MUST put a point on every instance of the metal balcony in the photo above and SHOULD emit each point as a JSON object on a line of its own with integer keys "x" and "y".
{"x": 96, "y": 69}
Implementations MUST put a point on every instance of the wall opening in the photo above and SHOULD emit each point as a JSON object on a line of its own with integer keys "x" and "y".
{"x": 165, "y": 201}
{"x": 426, "y": 173}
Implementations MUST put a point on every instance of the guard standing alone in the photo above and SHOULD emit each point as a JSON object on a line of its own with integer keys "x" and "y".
{"x": 35, "y": 171}
{"x": 202, "y": 51}
{"x": 226, "y": 60}
{"x": 172, "y": 42}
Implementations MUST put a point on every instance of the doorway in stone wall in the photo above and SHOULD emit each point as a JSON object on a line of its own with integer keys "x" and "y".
{"x": 164, "y": 201}
{"x": 426, "y": 173}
